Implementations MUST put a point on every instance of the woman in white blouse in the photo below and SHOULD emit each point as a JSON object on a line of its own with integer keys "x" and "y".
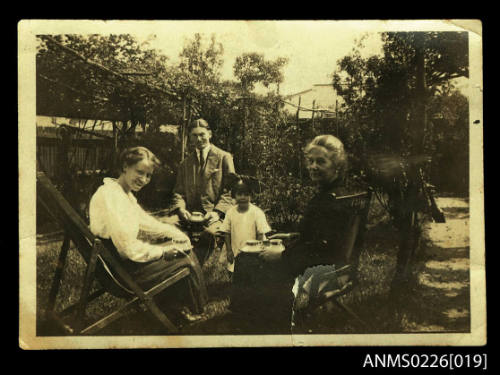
{"x": 116, "y": 215}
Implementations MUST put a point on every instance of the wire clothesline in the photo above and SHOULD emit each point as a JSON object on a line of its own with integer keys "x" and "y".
{"x": 307, "y": 109}
{"x": 167, "y": 92}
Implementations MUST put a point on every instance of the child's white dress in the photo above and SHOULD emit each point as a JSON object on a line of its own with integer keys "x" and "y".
{"x": 244, "y": 226}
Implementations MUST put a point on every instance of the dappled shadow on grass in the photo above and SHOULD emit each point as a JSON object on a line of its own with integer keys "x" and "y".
{"x": 375, "y": 311}
{"x": 423, "y": 309}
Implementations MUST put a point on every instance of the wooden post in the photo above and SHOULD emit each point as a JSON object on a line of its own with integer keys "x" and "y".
{"x": 183, "y": 128}
{"x": 277, "y": 101}
{"x": 299, "y": 133}
{"x": 189, "y": 118}
{"x": 63, "y": 164}
{"x": 336, "y": 115}
{"x": 243, "y": 161}
{"x": 420, "y": 91}
{"x": 115, "y": 145}
{"x": 312, "y": 117}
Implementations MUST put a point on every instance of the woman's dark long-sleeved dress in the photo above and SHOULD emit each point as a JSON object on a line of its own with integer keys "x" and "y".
{"x": 321, "y": 231}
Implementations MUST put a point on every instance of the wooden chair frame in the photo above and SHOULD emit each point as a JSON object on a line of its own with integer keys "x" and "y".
{"x": 106, "y": 268}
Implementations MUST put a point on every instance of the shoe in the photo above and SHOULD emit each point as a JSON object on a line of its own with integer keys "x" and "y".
{"x": 191, "y": 317}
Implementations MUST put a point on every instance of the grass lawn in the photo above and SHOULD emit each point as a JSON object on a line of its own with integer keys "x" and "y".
{"x": 417, "y": 310}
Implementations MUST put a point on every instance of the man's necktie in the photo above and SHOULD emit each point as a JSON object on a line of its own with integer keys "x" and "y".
{"x": 202, "y": 163}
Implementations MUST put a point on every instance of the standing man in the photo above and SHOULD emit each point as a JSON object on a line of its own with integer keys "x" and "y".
{"x": 202, "y": 185}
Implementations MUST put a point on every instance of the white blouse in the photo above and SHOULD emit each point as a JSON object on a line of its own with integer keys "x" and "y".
{"x": 117, "y": 215}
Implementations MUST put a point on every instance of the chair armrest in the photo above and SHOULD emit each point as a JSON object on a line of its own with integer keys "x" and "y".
{"x": 284, "y": 236}
{"x": 345, "y": 270}
{"x": 338, "y": 292}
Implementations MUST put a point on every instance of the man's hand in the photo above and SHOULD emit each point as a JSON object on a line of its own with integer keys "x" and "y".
{"x": 212, "y": 217}
{"x": 184, "y": 214}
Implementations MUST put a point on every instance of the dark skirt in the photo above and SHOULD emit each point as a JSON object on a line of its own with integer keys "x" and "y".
{"x": 149, "y": 274}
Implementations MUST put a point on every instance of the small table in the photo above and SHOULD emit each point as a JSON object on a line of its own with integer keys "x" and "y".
{"x": 261, "y": 291}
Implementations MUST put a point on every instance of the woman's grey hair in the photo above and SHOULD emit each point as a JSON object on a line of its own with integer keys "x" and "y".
{"x": 133, "y": 155}
{"x": 335, "y": 148}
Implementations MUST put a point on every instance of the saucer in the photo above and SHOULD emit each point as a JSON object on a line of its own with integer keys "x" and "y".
{"x": 252, "y": 249}
{"x": 197, "y": 219}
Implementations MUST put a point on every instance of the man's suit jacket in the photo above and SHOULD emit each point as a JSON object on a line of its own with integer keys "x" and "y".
{"x": 207, "y": 190}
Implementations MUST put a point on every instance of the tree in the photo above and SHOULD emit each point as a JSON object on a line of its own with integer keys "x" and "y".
{"x": 252, "y": 68}
{"x": 102, "y": 77}
{"x": 387, "y": 102}
{"x": 197, "y": 78}
{"x": 380, "y": 93}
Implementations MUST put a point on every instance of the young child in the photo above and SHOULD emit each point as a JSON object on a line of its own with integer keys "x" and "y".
{"x": 244, "y": 221}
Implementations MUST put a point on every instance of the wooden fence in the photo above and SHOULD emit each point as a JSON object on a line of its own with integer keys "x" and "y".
{"x": 80, "y": 155}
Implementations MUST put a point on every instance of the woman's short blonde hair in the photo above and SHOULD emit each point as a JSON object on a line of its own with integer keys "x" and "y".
{"x": 133, "y": 155}
{"x": 335, "y": 149}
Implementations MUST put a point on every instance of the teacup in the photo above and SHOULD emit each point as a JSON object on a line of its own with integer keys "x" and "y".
{"x": 179, "y": 241}
{"x": 197, "y": 216}
{"x": 253, "y": 243}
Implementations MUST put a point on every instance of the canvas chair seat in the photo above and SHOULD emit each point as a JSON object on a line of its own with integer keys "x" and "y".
{"x": 138, "y": 283}
{"x": 145, "y": 274}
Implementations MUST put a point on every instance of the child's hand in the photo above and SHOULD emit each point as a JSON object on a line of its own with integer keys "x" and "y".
{"x": 230, "y": 256}
{"x": 212, "y": 217}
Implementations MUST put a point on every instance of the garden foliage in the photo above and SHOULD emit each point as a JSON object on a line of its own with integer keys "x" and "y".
{"x": 378, "y": 116}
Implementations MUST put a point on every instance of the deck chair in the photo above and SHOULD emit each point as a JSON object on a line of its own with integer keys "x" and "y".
{"x": 105, "y": 266}
{"x": 352, "y": 243}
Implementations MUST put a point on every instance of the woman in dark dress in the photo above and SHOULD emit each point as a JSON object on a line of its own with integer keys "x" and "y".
{"x": 323, "y": 222}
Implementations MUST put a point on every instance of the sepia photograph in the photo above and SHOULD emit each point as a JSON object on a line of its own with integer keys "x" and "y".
{"x": 250, "y": 183}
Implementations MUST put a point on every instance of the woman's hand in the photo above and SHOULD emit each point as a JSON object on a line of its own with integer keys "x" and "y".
{"x": 284, "y": 236}
{"x": 182, "y": 237}
{"x": 184, "y": 215}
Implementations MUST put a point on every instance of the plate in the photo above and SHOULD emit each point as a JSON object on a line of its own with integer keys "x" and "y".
{"x": 252, "y": 249}
{"x": 259, "y": 249}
